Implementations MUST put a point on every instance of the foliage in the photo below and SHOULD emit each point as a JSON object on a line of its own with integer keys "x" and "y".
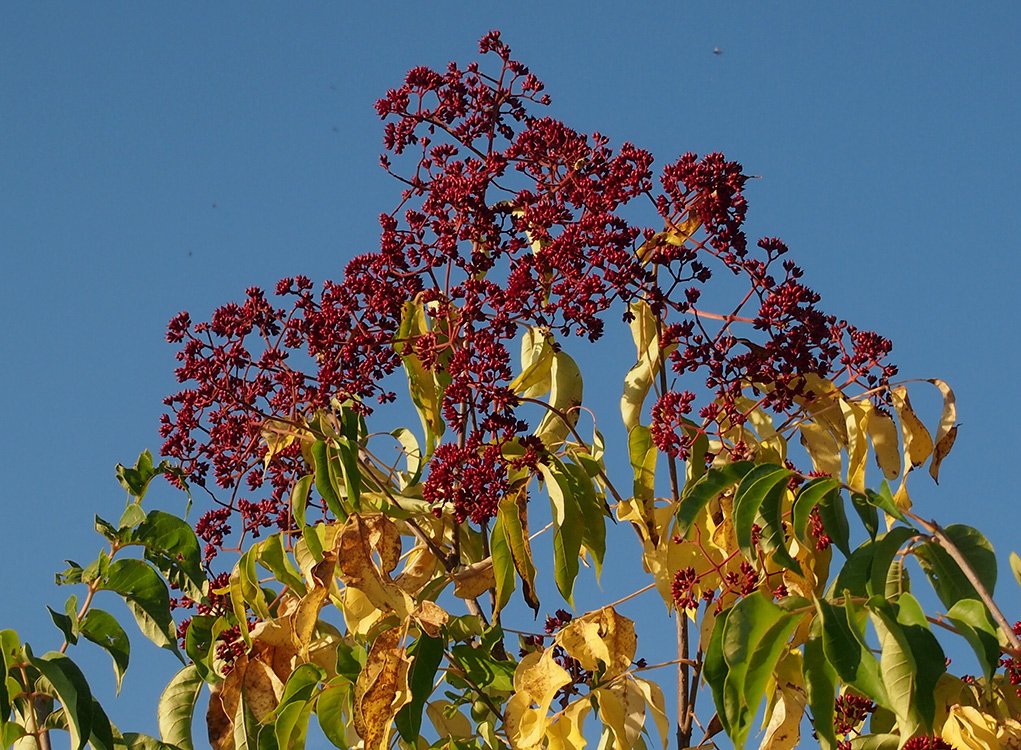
{"x": 372, "y": 580}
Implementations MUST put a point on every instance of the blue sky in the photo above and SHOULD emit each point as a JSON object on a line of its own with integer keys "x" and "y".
{"x": 157, "y": 158}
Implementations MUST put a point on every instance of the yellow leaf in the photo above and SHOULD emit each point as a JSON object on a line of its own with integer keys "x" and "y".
{"x": 474, "y": 580}
{"x": 653, "y": 695}
{"x": 967, "y": 728}
{"x": 358, "y": 540}
{"x": 536, "y": 364}
{"x": 947, "y": 432}
{"x": 917, "y": 440}
{"x": 419, "y": 569}
{"x": 601, "y": 639}
{"x": 537, "y": 679}
{"x": 885, "y": 442}
{"x": 360, "y": 614}
{"x": 565, "y": 396}
{"x": 822, "y": 448}
{"x": 431, "y": 617}
{"x": 381, "y": 689}
{"x": 565, "y": 733}
{"x": 622, "y": 709}
{"x": 425, "y": 392}
{"x": 824, "y": 406}
{"x": 448, "y": 721}
{"x": 640, "y": 377}
{"x": 783, "y": 727}
{"x": 305, "y": 616}
{"x": 856, "y": 422}
{"x": 278, "y": 435}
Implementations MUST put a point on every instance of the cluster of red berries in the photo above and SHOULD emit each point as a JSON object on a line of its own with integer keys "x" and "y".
{"x": 507, "y": 219}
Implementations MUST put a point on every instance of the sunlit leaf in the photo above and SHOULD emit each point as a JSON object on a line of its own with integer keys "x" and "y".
{"x": 565, "y": 396}
{"x": 103, "y": 629}
{"x": 885, "y": 442}
{"x": 513, "y": 517}
{"x": 566, "y": 531}
{"x": 426, "y": 654}
{"x": 177, "y": 707}
{"x": 947, "y": 432}
{"x": 332, "y": 710}
{"x": 947, "y": 578}
{"x": 295, "y": 707}
{"x": 537, "y": 680}
{"x": 971, "y": 618}
{"x": 640, "y": 377}
{"x": 697, "y": 495}
{"x": 381, "y": 690}
{"x": 72, "y": 690}
{"x": 426, "y": 393}
{"x": 536, "y": 364}
{"x": 759, "y": 496}
{"x": 851, "y": 660}
{"x": 918, "y": 443}
{"x": 566, "y": 732}
{"x": 147, "y": 598}
{"x": 602, "y": 641}
{"x": 172, "y": 547}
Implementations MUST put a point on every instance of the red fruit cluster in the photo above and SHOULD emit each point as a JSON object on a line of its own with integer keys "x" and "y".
{"x": 507, "y": 219}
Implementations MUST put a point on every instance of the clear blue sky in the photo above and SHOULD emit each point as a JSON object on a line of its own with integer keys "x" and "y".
{"x": 155, "y": 158}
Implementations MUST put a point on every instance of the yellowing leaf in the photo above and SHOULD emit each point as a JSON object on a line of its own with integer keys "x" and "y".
{"x": 885, "y": 442}
{"x": 967, "y": 728}
{"x": 358, "y": 540}
{"x": 278, "y": 435}
{"x": 448, "y": 721}
{"x": 947, "y": 432}
{"x": 426, "y": 393}
{"x": 565, "y": 396}
{"x": 537, "y": 679}
{"x": 601, "y": 639}
{"x": 381, "y": 689}
{"x": 856, "y": 421}
{"x": 565, "y": 733}
{"x": 822, "y": 448}
{"x": 653, "y": 695}
{"x": 640, "y": 377}
{"x": 783, "y": 728}
{"x": 622, "y": 709}
{"x": 536, "y": 364}
{"x": 305, "y": 616}
{"x": 917, "y": 440}
{"x": 431, "y": 617}
{"x": 474, "y": 580}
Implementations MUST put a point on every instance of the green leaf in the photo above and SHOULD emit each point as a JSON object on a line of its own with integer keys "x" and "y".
{"x": 132, "y": 516}
{"x": 10, "y": 732}
{"x": 884, "y": 501}
{"x": 898, "y": 668}
{"x": 483, "y": 669}
{"x": 331, "y": 709}
{"x": 643, "y": 453}
{"x": 843, "y": 649}
{"x": 101, "y": 737}
{"x": 324, "y": 479}
{"x": 760, "y": 494}
{"x": 866, "y": 512}
{"x": 177, "y": 707}
{"x": 884, "y": 549}
{"x": 246, "y": 727}
{"x": 103, "y": 629}
{"x": 72, "y": 690}
{"x": 148, "y": 599}
{"x": 136, "y": 479}
{"x": 756, "y": 632}
{"x": 809, "y": 496}
{"x": 715, "y": 668}
{"x": 272, "y": 555}
{"x": 347, "y": 452}
{"x": 67, "y": 625}
{"x": 426, "y": 654}
{"x": 1015, "y": 567}
{"x": 947, "y": 578}
{"x": 295, "y": 706}
{"x": 513, "y": 517}
{"x": 172, "y": 547}
{"x": 136, "y": 741}
{"x": 566, "y": 531}
{"x": 971, "y": 618}
{"x": 698, "y": 494}
{"x": 928, "y": 655}
{"x": 503, "y": 564}
{"x": 821, "y": 687}
{"x": 299, "y": 499}
{"x": 593, "y": 513}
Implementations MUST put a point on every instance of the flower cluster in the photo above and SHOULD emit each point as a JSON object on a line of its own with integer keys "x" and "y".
{"x": 508, "y": 219}
{"x": 1012, "y": 664}
{"x": 850, "y": 712}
